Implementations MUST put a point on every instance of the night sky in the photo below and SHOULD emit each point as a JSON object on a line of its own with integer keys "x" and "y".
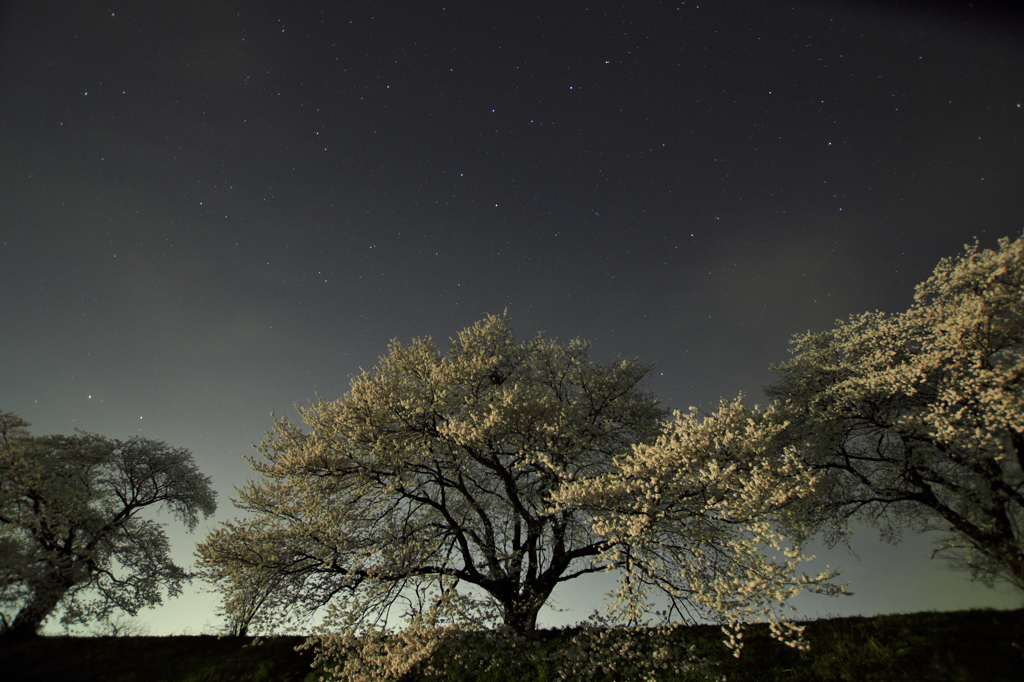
{"x": 214, "y": 210}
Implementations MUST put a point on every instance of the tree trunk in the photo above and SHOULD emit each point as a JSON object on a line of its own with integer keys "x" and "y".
{"x": 31, "y": 616}
{"x": 521, "y": 620}
{"x": 521, "y": 615}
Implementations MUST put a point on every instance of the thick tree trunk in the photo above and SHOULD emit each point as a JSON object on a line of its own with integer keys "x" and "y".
{"x": 521, "y": 621}
{"x": 20, "y": 629}
{"x": 521, "y": 615}
{"x": 31, "y": 616}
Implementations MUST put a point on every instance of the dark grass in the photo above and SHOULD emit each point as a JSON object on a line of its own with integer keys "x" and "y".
{"x": 155, "y": 659}
{"x": 962, "y": 646}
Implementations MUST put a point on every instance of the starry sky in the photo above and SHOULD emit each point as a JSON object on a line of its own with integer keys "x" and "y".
{"x": 210, "y": 211}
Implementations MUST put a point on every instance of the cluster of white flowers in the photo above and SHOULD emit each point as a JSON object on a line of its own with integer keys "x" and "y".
{"x": 449, "y": 633}
{"x": 706, "y": 516}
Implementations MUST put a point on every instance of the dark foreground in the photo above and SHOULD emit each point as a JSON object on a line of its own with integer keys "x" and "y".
{"x": 955, "y": 646}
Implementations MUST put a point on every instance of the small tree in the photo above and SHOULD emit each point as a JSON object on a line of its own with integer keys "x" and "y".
{"x": 245, "y": 596}
{"x": 70, "y": 533}
{"x": 917, "y": 419}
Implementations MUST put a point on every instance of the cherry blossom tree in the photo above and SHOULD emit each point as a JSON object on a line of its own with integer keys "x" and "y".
{"x": 444, "y": 497}
{"x": 436, "y": 468}
{"x": 916, "y": 419}
{"x": 71, "y": 535}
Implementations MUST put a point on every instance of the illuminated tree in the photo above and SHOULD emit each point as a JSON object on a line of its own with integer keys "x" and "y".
{"x": 435, "y": 469}
{"x": 917, "y": 419}
{"x": 71, "y": 536}
{"x": 449, "y": 495}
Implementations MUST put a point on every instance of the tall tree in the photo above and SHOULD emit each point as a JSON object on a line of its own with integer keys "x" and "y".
{"x": 436, "y": 470}
{"x": 71, "y": 536}
{"x": 917, "y": 418}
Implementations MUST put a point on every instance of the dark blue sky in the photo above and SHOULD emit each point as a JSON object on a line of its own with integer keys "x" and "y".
{"x": 213, "y": 210}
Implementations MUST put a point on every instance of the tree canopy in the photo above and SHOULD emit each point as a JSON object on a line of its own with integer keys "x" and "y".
{"x": 917, "y": 418}
{"x": 442, "y": 486}
{"x": 71, "y": 535}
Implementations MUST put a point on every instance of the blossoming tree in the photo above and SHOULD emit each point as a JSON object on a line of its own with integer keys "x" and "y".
{"x": 438, "y": 467}
{"x": 71, "y": 536}
{"x": 917, "y": 419}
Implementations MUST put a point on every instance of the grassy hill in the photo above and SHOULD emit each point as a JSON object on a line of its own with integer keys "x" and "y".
{"x": 955, "y": 646}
